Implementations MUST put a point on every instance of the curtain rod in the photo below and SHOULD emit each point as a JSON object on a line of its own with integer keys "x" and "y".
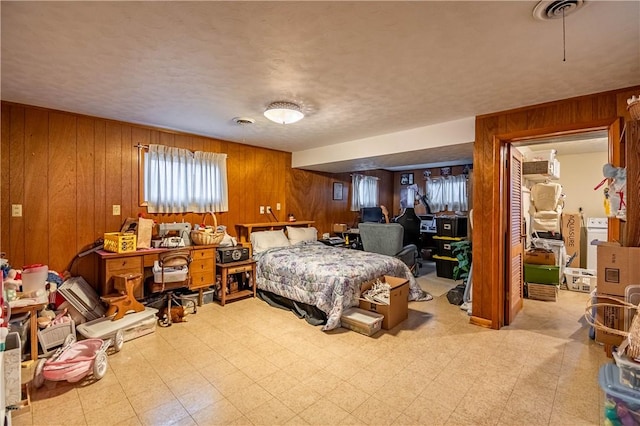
{"x": 141, "y": 146}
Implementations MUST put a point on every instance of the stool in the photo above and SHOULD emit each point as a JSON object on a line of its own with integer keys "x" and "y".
{"x": 125, "y": 302}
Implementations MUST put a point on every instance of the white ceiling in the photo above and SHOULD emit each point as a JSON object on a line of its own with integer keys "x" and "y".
{"x": 358, "y": 69}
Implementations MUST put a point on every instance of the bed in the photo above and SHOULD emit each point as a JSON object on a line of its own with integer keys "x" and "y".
{"x": 299, "y": 268}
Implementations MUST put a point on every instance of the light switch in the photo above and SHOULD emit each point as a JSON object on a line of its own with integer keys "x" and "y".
{"x": 16, "y": 210}
{"x": 278, "y": 206}
{"x": 116, "y": 209}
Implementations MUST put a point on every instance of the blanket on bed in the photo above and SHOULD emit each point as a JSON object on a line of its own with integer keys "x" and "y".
{"x": 327, "y": 277}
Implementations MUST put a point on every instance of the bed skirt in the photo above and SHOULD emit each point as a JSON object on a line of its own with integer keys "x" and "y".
{"x": 311, "y": 314}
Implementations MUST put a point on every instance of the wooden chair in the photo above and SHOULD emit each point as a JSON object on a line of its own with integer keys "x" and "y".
{"x": 170, "y": 261}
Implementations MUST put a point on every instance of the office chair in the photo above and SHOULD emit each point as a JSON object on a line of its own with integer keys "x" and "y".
{"x": 172, "y": 267}
{"x": 411, "y": 224}
{"x": 387, "y": 238}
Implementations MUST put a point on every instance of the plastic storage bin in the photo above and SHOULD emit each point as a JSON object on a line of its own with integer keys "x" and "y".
{"x": 621, "y": 404}
{"x": 451, "y": 226}
{"x": 445, "y": 265}
{"x": 541, "y": 274}
{"x": 119, "y": 242}
{"x": 364, "y": 322}
{"x": 444, "y": 247}
{"x": 579, "y": 279}
{"x": 21, "y": 325}
{"x": 629, "y": 371}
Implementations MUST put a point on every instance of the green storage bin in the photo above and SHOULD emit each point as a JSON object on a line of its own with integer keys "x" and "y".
{"x": 541, "y": 274}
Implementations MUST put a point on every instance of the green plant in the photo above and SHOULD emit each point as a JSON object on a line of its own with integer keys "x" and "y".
{"x": 462, "y": 251}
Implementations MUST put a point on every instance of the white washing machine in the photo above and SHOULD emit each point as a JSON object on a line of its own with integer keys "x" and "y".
{"x": 596, "y": 230}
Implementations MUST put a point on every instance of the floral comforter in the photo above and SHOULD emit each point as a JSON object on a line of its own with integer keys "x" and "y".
{"x": 327, "y": 277}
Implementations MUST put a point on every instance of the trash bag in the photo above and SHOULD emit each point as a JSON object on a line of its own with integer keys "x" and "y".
{"x": 455, "y": 296}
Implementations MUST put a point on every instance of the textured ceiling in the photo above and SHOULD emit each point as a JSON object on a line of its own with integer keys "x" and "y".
{"x": 357, "y": 69}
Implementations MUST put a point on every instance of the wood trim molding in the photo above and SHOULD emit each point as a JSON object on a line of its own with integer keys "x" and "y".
{"x": 493, "y": 132}
{"x": 482, "y": 322}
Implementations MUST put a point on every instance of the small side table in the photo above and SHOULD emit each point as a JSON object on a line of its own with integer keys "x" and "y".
{"x": 226, "y": 269}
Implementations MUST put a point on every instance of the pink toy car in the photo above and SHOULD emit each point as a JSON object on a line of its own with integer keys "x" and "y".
{"x": 73, "y": 361}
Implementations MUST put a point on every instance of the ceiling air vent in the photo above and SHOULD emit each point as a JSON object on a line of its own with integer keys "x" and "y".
{"x": 243, "y": 121}
{"x": 554, "y": 9}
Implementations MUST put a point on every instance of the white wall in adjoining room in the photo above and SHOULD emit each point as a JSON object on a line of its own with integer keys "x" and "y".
{"x": 579, "y": 174}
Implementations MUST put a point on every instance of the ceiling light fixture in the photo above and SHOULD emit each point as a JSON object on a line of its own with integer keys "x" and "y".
{"x": 283, "y": 112}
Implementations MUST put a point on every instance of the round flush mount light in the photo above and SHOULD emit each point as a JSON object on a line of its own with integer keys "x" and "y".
{"x": 283, "y": 112}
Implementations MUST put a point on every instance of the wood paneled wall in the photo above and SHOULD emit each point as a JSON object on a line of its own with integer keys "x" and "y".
{"x": 489, "y": 201}
{"x": 68, "y": 170}
{"x": 310, "y": 196}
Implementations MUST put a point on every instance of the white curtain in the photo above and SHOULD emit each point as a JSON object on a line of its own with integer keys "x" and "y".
{"x": 364, "y": 191}
{"x": 448, "y": 193}
{"x": 177, "y": 180}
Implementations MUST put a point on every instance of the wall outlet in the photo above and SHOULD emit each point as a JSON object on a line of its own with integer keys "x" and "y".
{"x": 16, "y": 210}
{"x": 278, "y": 206}
{"x": 268, "y": 209}
{"x": 261, "y": 209}
{"x": 116, "y": 209}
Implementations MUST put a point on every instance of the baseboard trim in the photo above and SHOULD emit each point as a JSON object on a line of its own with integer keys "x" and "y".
{"x": 482, "y": 322}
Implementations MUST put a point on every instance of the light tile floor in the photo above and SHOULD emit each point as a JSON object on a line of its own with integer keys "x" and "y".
{"x": 249, "y": 363}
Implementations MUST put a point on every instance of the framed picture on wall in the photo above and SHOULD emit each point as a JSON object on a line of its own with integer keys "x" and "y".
{"x": 406, "y": 179}
{"x": 337, "y": 190}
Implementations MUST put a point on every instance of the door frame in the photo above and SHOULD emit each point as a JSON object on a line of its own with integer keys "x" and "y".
{"x": 613, "y": 128}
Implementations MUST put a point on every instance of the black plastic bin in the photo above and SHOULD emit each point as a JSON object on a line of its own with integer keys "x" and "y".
{"x": 444, "y": 266}
{"x": 444, "y": 245}
{"x": 451, "y": 226}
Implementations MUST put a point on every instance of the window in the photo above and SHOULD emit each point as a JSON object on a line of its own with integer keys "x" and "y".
{"x": 447, "y": 193}
{"x": 364, "y": 192}
{"x": 178, "y": 181}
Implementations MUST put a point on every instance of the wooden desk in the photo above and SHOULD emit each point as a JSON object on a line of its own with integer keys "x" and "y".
{"x": 201, "y": 270}
{"x": 33, "y": 324}
{"x": 227, "y": 269}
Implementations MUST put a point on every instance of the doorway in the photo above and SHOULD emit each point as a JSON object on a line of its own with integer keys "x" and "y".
{"x": 573, "y": 163}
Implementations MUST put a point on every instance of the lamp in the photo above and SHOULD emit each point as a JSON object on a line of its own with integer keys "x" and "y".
{"x": 283, "y": 112}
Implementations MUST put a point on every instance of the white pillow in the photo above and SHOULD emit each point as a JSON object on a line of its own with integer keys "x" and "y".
{"x": 298, "y": 235}
{"x": 263, "y": 240}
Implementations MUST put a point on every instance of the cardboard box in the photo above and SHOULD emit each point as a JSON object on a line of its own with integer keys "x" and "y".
{"x": 540, "y": 257}
{"x": 340, "y": 227}
{"x": 571, "y": 229}
{"x": 611, "y": 317}
{"x": 397, "y": 310}
{"x": 618, "y": 267}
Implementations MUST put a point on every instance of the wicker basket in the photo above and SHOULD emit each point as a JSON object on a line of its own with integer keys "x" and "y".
{"x": 208, "y": 235}
{"x": 634, "y": 109}
{"x": 631, "y": 346}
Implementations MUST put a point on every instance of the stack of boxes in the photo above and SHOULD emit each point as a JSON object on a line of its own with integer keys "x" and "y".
{"x": 543, "y": 269}
{"x": 449, "y": 230}
{"x": 618, "y": 268}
